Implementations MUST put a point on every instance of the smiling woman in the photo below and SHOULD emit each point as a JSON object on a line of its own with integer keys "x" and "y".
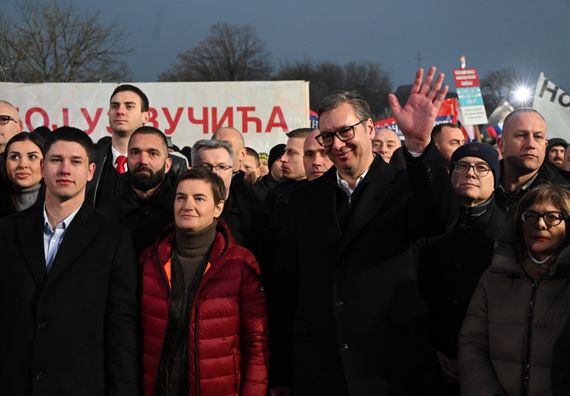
{"x": 203, "y": 307}
{"x": 22, "y": 160}
{"x": 521, "y": 302}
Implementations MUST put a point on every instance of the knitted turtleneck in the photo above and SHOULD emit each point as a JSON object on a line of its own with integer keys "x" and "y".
{"x": 24, "y": 198}
{"x": 192, "y": 249}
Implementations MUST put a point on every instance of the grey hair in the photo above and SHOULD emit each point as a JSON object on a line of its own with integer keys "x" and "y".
{"x": 359, "y": 105}
{"x": 207, "y": 144}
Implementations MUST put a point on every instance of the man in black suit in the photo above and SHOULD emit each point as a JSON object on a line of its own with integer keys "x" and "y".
{"x": 128, "y": 111}
{"x": 346, "y": 284}
{"x": 67, "y": 287}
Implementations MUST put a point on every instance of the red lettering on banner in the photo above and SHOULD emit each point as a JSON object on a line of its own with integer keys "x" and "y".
{"x": 227, "y": 115}
{"x": 152, "y": 114}
{"x": 172, "y": 123}
{"x": 276, "y": 114}
{"x": 246, "y": 119}
{"x": 203, "y": 121}
{"x": 91, "y": 123}
{"x": 65, "y": 113}
{"x": 31, "y": 112}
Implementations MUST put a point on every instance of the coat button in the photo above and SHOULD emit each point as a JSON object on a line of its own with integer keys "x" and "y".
{"x": 338, "y": 304}
{"x": 42, "y": 324}
{"x": 39, "y": 375}
{"x": 344, "y": 347}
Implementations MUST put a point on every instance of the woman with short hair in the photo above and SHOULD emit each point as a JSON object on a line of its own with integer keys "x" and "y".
{"x": 521, "y": 302}
{"x": 204, "y": 316}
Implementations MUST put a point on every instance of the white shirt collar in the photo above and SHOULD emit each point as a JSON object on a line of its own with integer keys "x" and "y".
{"x": 65, "y": 222}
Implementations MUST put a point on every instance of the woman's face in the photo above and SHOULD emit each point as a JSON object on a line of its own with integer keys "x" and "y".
{"x": 542, "y": 239}
{"x": 194, "y": 207}
{"x": 23, "y": 164}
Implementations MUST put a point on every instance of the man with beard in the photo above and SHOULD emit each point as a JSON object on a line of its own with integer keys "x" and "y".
{"x": 145, "y": 204}
{"x": 555, "y": 152}
{"x": 128, "y": 110}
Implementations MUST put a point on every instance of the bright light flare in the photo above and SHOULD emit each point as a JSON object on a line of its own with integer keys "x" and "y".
{"x": 522, "y": 94}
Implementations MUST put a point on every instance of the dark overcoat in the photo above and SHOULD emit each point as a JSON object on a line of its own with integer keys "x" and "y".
{"x": 72, "y": 331}
{"x": 350, "y": 288}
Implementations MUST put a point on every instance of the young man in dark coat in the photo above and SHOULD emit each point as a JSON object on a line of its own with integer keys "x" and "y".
{"x": 68, "y": 283}
{"x": 347, "y": 282}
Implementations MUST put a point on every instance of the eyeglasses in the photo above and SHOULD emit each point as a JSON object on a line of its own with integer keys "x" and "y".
{"x": 550, "y": 218}
{"x": 4, "y": 119}
{"x": 343, "y": 134}
{"x": 463, "y": 167}
{"x": 212, "y": 168}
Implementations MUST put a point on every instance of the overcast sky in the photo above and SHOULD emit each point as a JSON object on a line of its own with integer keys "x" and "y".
{"x": 527, "y": 35}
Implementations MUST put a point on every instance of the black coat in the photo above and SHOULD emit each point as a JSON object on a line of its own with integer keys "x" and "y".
{"x": 449, "y": 268}
{"x": 547, "y": 173}
{"x": 349, "y": 286}
{"x": 105, "y": 185}
{"x": 145, "y": 218}
{"x": 244, "y": 213}
{"x": 72, "y": 331}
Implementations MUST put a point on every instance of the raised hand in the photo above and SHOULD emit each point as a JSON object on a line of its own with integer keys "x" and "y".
{"x": 416, "y": 119}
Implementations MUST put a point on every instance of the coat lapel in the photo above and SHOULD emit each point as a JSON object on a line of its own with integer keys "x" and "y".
{"x": 30, "y": 237}
{"x": 327, "y": 204}
{"x": 378, "y": 186}
{"x": 76, "y": 239}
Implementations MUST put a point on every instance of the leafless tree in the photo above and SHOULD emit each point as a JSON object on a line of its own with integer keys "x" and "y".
{"x": 497, "y": 85}
{"x": 366, "y": 77}
{"x": 52, "y": 41}
{"x": 229, "y": 53}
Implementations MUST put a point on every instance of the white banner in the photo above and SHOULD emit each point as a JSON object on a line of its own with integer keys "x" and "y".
{"x": 554, "y": 105}
{"x": 262, "y": 110}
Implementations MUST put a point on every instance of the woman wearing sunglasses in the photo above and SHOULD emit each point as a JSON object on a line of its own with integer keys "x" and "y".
{"x": 520, "y": 304}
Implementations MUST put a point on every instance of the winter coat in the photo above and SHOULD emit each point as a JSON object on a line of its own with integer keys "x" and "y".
{"x": 507, "y": 338}
{"x": 227, "y": 337}
{"x": 449, "y": 268}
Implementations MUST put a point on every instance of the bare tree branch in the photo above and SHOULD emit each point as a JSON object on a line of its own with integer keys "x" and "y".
{"x": 52, "y": 41}
{"x": 229, "y": 53}
{"x": 367, "y": 78}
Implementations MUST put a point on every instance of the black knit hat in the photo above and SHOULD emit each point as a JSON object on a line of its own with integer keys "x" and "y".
{"x": 480, "y": 150}
{"x": 274, "y": 154}
{"x": 556, "y": 142}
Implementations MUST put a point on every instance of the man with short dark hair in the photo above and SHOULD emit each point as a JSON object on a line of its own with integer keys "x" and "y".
{"x": 68, "y": 283}
{"x": 315, "y": 159}
{"x": 251, "y": 166}
{"x": 292, "y": 158}
{"x": 352, "y": 320}
{"x": 447, "y": 138}
{"x": 145, "y": 205}
{"x": 128, "y": 111}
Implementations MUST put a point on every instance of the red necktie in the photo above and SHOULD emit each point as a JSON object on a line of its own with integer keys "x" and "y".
{"x": 121, "y": 161}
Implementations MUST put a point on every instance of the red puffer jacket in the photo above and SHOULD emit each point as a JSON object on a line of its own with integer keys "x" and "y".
{"x": 227, "y": 347}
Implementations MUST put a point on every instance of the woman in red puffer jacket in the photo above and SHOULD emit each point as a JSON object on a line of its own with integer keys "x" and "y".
{"x": 204, "y": 317}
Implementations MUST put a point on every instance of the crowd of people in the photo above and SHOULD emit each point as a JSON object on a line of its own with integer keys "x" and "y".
{"x": 344, "y": 262}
